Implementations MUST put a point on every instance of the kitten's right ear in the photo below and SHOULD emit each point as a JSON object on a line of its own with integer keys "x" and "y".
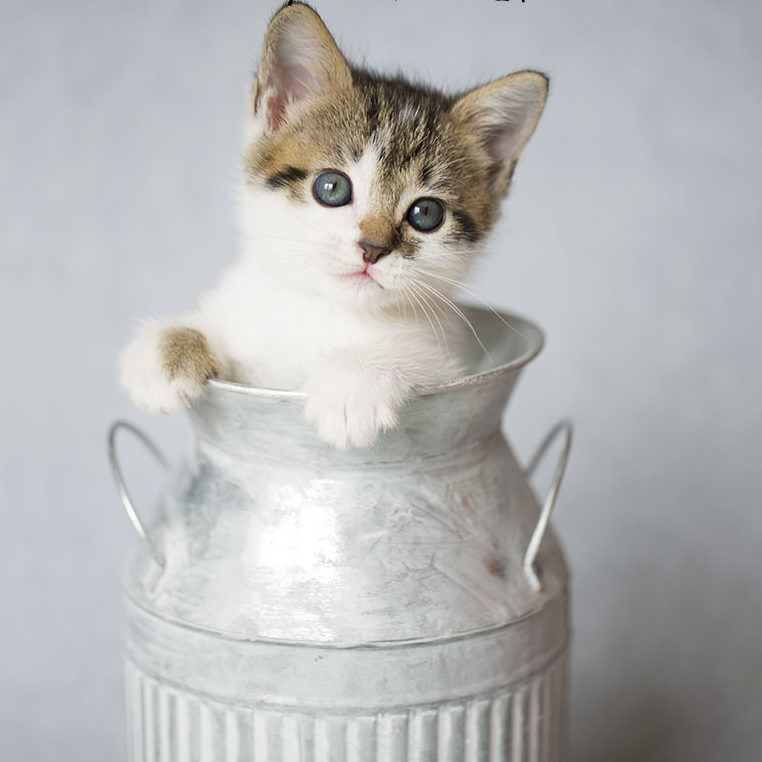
{"x": 503, "y": 115}
{"x": 300, "y": 63}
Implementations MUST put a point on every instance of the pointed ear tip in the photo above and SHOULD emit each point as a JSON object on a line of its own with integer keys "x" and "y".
{"x": 293, "y": 18}
{"x": 297, "y": 16}
{"x": 539, "y": 79}
{"x": 292, "y": 8}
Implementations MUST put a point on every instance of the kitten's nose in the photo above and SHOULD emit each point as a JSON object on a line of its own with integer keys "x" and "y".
{"x": 372, "y": 253}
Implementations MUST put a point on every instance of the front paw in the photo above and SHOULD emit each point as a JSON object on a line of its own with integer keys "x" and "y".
{"x": 352, "y": 405}
{"x": 166, "y": 367}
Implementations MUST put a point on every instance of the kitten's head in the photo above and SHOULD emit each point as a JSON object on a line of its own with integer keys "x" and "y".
{"x": 366, "y": 189}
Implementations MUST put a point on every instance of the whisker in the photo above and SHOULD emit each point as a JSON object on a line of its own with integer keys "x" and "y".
{"x": 424, "y": 310}
{"x": 461, "y": 285}
{"x": 433, "y": 307}
{"x": 458, "y": 312}
{"x": 403, "y": 305}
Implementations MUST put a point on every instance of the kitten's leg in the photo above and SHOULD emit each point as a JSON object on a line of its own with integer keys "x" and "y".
{"x": 351, "y": 403}
{"x": 166, "y": 365}
{"x": 354, "y": 396}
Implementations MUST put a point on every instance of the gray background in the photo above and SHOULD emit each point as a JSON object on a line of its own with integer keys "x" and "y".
{"x": 632, "y": 236}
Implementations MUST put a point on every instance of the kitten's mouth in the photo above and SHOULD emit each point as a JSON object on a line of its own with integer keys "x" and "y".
{"x": 360, "y": 277}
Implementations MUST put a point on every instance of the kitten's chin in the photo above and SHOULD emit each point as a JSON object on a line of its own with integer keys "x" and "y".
{"x": 365, "y": 294}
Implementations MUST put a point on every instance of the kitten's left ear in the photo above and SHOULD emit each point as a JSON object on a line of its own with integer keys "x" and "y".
{"x": 504, "y": 114}
{"x": 300, "y": 63}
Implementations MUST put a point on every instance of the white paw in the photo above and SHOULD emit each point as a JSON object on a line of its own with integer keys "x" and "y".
{"x": 352, "y": 405}
{"x": 146, "y": 376}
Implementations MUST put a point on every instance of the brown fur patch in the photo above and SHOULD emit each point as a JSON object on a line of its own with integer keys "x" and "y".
{"x": 185, "y": 354}
{"x": 379, "y": 230}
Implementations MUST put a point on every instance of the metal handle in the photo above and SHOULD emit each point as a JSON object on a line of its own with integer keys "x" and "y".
{"x": 565, "y": 428}
{"x": 121, "y": 485}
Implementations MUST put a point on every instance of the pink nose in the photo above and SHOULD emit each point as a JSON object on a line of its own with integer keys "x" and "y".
{"x": 372, "y": 253}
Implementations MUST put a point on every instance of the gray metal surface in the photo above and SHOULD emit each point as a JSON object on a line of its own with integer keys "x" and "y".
{"x": 287, "y": 578}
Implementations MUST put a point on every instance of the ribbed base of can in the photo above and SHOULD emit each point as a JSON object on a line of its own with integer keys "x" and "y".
{"x": 523, "y": 723}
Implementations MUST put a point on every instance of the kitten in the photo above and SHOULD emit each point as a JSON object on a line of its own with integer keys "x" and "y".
{"x": 364, "y": 201}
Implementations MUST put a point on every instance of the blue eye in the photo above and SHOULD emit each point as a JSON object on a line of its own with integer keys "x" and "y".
{"x": 425, "y": 214}
{"x": 332, "y": 188}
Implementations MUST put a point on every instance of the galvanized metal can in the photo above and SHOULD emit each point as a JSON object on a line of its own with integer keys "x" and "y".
{"x": 405, "y": 602}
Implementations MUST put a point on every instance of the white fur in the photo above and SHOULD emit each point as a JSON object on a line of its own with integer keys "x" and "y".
{"x": 287, "y": 316}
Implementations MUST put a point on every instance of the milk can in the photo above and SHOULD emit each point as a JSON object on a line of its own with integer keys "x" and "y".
{"x": 401, "y": 603}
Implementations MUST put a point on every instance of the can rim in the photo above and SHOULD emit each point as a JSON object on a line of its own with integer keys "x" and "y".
{"x": 529, "y": 331}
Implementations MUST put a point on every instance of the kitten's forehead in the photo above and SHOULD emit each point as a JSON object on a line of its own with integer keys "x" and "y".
{"x": 408, "y": 130}
{"x": 367, "y": 186}
{"x": 403, "y": 127}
